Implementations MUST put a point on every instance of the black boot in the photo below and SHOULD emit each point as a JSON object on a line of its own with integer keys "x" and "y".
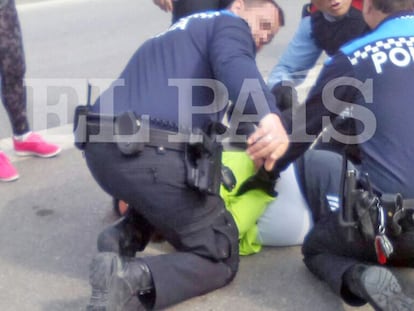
{"x": 130, "y": 234}
{"x": 118, "y": 283}
{"x": 379, "y": 287}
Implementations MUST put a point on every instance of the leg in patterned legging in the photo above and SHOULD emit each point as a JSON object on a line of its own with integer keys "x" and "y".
{"x": 13, "y": 93}
{"x": 12, "y": 68}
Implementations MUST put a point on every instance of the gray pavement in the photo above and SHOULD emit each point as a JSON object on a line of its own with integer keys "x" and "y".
{"x": 50, "y": 218}
{"x": 47, "y": 236}
{"x": 49, "y": 221}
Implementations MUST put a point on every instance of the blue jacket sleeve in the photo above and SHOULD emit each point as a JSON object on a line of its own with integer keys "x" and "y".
{"x": 232, "y": 55}
{"x": 299, "y": 57}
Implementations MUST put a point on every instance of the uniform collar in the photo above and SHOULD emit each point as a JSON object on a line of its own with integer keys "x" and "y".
{"x": 397, "y": 15}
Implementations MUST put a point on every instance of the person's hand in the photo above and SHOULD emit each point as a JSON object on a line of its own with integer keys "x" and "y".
{"x": 268, "y": 142}
{"x": 165, "y": 5}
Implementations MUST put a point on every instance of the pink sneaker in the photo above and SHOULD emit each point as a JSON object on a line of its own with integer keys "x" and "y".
{"x": 35, "y": 145}
{"x": 7, "y": 170}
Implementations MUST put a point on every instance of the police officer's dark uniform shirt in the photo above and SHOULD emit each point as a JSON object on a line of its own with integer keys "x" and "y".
{"x": 212, "y": 45}
{"x": 375, "y": 74}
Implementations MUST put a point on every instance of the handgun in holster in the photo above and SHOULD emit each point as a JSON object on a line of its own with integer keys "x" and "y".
{"x": 362, "y": 208}
{"x": 203, "y": 162}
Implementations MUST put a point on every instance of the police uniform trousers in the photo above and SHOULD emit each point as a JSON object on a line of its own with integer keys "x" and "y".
{"x": 197, "y": 225}
{"x": 327, "y": 251}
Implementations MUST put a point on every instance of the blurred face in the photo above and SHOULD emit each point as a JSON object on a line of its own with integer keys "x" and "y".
{"x": 333, "y": 7}
{"x": 263, "y": 22}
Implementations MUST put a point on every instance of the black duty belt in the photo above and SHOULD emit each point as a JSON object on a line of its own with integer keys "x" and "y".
{"x": 102, "y": 130}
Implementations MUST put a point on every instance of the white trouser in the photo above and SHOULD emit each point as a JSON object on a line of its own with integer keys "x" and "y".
{"x": 287, "y": 219}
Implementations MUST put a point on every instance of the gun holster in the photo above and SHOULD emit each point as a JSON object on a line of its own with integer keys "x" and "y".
{"x": 394, "y": 211}
{"x": 80, "y": 131}
{"x": 127, "y": 127}
{"x": 124, "y": 130}
{"x": 365, "y": 209}
{"x": 203, "y": 162}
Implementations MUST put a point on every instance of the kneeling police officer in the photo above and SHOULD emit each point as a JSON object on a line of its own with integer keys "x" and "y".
{"x": 355, "y": 234}
{"x": 151, "y": 142}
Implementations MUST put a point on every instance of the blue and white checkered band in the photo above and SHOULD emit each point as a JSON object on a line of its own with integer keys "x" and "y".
{"x": 380, "y": 45}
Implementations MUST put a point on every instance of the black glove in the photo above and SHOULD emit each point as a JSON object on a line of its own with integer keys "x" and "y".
{"x": 285, "y": 94}
{"x": 262, "y": 180}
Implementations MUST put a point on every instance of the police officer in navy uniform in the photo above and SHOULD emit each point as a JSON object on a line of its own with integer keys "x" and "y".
{"x": 177, "y": 82}
{"x": 373, "y": 75}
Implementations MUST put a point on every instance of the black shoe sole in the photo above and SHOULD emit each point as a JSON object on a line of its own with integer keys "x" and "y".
{"x": 383, "y": 291}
